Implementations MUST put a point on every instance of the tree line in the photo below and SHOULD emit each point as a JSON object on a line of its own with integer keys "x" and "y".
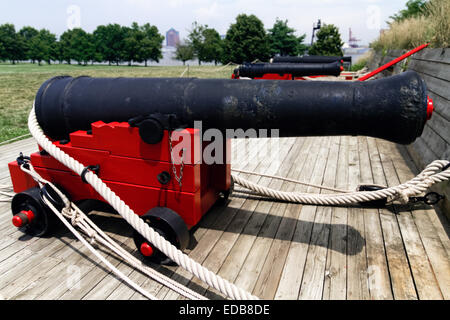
{"x": 245, "y": 41}
{"x": 111, "y": 43}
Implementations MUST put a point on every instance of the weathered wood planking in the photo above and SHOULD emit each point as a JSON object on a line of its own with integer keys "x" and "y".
{"x": 433, "y": 65}
{"x": 10, "y": 152}
{"x": 276, "y": 250}
{"x": 357, "y": 276}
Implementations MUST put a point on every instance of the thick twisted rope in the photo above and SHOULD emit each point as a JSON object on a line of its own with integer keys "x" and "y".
{"x": 213, "y": 280}
{"x": 435, "y": 172}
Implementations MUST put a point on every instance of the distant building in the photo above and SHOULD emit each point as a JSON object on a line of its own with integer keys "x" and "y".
{"x": 172, "y": 37}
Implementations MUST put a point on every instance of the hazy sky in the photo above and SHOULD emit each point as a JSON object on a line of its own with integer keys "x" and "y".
{"x": 365, "y": 17}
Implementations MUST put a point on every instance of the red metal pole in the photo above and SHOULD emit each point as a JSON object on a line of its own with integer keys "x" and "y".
{"x": 387, "y": 65}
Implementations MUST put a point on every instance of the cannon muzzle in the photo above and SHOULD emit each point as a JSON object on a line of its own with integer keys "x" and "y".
{"x": 253, "y": 70}
{"x": 393, "y": 108}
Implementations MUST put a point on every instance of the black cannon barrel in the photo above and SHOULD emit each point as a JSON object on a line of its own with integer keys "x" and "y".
{"x": 310, "y": 59}
{"x": 253, "y": 70}
{"x": 392, "y": 108}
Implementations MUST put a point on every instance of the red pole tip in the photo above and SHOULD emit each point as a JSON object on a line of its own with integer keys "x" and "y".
{"x": 22, "y": 218}
{"x": 17, "y": 221}
{"x": 342, "y": 68}
{"x": 430, "y": 107}
{"x": 146, "y": 249}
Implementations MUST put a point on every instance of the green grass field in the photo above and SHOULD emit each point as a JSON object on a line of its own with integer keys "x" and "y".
{"x": 19, "y": 84}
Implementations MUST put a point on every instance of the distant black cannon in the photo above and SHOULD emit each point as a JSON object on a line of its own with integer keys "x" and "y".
{"x": 310, "y": 59}
{"x": 254, "y": 70}
{"x": 393, "y": 108}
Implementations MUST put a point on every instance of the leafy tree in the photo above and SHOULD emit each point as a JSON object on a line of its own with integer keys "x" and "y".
{"x": 82, "y": 46}
{"x": 184, "y": 52}
{"x": 195, "y": 39}
{"x": 77, "y": 45}
{"x": 413, "y": 8}
{"x": 141, "y": 43}
{"x": 130, "y": 48}
{"x": 328, "y": 42}
{"x": 12, "y": 44}
{"x": 205, "y": 42}
{"x": 212, "y": 48}
{"x": 109, "y": 41}
{"x": 59, "y": 52}
{"x": 2, "y": 52}
{"x": 246, "y": 40}
{"x": 65, "y": 46}
{"x": 28, "y": 33}
{"x": 151, "y": 44}
{"x": 283, "y": 41}
{"x": 42, "y": 47}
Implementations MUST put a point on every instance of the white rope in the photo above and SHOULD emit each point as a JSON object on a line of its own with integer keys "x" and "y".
{"x": 6, "y": 191}
{"x": 432, "y": 174}
{"x": 95, "y": 234}
{"x": 176, "y": 255}
{"x": 291, "y": 180}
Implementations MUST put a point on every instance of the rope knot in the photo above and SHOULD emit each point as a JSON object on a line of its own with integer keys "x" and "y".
{"x": 73, "y": 215}
{"x": 403, "y": 196}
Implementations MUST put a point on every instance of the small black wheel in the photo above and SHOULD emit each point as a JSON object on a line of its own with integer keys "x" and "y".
{"x": 31, "y": 215}
{"x": 170, "y": 226}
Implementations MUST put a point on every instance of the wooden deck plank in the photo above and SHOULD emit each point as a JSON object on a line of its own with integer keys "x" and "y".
{"x": 10, "y": 152}
{"x": 87, "y": 269}
{"x": 276, "y": 250}
{"x": 293, "y": 270}
{"x": 335, "y": 286}
{"x": 357, "y": 277}
{"x": 258, "y": 246}
{"x": 10, "y": 283}
{"x": 314, "y": 270}
{"x": 89, "y": 281}
{"x": 270, "y": 275}
{"x": 400, "y": 274}
{"x": 377, "y": 268}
